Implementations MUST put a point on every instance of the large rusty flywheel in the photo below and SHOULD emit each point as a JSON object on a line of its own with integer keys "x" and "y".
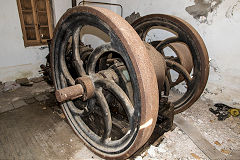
{"x": 112, "y": 94}
{"x": 185, "y": 55}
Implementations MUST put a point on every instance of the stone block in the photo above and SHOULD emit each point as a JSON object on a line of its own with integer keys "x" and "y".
{"x": 4, "y": 107}
{"x": 19, "y": 103}
{"x": 41, "y": 97}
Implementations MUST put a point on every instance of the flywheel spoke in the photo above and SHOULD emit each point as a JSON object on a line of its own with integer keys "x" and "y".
{"x": 114, "y": 89}
{"x": 96, "y": 54}
{"x": 119, "y": 94}
{"x": 106, "y": 113}
{"x": 176, "y": 59}
{"x": 78, "y": 63}
{"x": 165, "y": 42}
{"x": 167, "y": 87}
{"x": 169, "y": 77}
{"x": 63, "y": 65}
{"x": 144, "y": 33}
{"x": 180, "y": 69}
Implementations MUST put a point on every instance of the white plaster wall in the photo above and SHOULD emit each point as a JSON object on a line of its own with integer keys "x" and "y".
{"x": 221, "y": 36}
{"x": 115, "y": 9}
{"x": 91, "y": 35}
{"x": 17, "y": 61}
{"x": 59, "y": 8}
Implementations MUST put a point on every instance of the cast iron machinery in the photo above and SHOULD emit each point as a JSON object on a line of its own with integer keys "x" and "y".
{"x": 114, "y": 93}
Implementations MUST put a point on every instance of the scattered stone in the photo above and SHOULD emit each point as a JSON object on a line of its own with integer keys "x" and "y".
{"x": 217, "y": 143}
{"x": 1, "y": 86}
{"x": 4, "y": 107}
{"x": 37, "y": 79}
{"x": 19, "y": 103}
{"x": 16, "y": 98}
{"x": 138, "y": 158}
{"x": 22, "y": 81}
{"x": 44, "y": 108}
{"x": 30, "y": 100}
{"x": 50, "y": 90}
{"x": 144, "y": 154}
{"x": 195, "y": 156}
{"x": 225, "y": 151}
{"x": 61, "y": 115}
{"x": 27, "y": 84}
{"x": 10, "y": 86}
{"x": 41, "y": 97}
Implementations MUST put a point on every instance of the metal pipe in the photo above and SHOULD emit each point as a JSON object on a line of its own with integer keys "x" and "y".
{"x": 74, "y": 3}
{"x": 104, "y": 3}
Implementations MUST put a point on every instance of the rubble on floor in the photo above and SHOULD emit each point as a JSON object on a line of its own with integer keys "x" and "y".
{"x": 24, "y": 82}
{"x": 224, "y": 135}
{"x": 19, "y": 93}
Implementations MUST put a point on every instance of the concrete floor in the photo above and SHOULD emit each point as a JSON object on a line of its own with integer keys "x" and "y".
{"x": 32, "y": 126}
{"x": 38, "y": 130}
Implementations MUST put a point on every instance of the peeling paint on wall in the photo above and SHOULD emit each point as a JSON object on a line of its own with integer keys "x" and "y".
{"x": 202, "y": 8}
{"x": 233, "y": 10}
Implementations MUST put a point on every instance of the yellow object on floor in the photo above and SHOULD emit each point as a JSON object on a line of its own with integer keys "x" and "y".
{"x": 234, "y": 112}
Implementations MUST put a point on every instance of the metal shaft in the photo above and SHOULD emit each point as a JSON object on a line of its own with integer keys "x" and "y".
{"x": 69, "y": 93}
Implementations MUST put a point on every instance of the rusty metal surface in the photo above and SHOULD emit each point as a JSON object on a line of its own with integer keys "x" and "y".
{"x": 69, "y": 93}
{"x": 87, "y": 85}
{"x": 159, "y": 64}
{"x": 183, "y": 53}
{"x": 191, "y": 55}
{"x": 146, "y": 98}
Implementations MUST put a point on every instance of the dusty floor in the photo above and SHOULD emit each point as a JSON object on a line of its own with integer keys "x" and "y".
{"x": 36, "y": 132}
{"x": 37, "y": 129}
{"x": 224, "y": 135}
{"x": 32, "y": 132}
